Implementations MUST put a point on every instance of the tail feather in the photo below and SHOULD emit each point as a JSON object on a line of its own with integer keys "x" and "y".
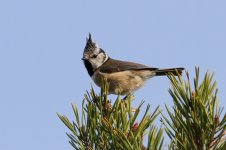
{"x": 174, "y": 71}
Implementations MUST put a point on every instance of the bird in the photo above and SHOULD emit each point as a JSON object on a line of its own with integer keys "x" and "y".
{"x": 124, "y": 77}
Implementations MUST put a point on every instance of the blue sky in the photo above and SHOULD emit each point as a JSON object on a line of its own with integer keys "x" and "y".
{"x": 42, "y": 41}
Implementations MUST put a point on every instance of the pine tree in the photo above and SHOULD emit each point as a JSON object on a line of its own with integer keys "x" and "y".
{"x": 194, "y": 123}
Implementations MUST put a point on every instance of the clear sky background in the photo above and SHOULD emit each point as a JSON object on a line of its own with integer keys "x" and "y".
{"x": 42, "y": 41}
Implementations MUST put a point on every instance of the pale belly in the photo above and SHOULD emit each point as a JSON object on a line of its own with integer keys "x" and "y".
{"x": 123, "y": 83}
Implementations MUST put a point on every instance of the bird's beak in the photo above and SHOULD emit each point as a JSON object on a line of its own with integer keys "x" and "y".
{"x": 85, "y": 57}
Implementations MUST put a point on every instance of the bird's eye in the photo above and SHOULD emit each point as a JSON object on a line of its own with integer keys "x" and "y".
{"x": 94, "y": 55}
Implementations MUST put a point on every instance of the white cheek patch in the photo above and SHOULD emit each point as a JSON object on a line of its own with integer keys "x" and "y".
{"x": 96, "y": 63}
{"x": 99, "y": 60}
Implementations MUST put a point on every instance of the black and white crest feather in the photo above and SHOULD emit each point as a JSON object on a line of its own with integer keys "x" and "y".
{"x": 90, "y": 45}
{"x": 93, "y": 56}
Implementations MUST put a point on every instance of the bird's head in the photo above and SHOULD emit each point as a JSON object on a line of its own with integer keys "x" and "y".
{"x": 93, "y": 54}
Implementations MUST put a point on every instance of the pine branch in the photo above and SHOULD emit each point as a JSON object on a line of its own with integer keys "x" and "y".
{"x": 195, "y": 121}
{"x": 112, "y": 126}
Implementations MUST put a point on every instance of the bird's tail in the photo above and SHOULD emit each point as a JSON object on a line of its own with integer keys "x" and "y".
{"x": 174, "y": 71}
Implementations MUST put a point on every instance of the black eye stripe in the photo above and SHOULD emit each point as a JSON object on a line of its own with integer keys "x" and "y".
{"x": 94, "y": 55}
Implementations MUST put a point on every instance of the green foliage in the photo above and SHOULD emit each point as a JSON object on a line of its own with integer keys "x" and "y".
{"x": 195, "y": 121}
{"x": 104, "y": 126}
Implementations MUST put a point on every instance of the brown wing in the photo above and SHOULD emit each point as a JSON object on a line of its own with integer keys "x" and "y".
{"x": 112, "y": 65}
